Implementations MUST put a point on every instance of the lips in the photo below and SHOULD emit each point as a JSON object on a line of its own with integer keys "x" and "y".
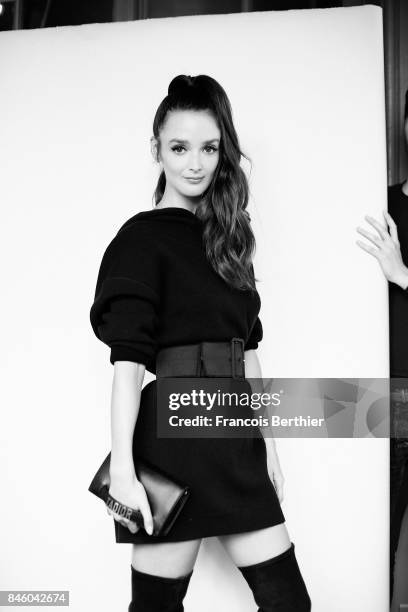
{"x": 194, "y": 179}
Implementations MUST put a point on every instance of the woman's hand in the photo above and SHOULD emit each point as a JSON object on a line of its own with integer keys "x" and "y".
{"x": 386, "y": 250}
{"x": 275, "y": 472}
{"x": 129, "y": 491}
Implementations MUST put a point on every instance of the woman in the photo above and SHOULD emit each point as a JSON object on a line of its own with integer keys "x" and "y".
{"x": 181, "y": 275}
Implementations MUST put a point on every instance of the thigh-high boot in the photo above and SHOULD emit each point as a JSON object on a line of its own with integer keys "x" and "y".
{"x": 151, "y": 593}
{"x": 277, "y": 584}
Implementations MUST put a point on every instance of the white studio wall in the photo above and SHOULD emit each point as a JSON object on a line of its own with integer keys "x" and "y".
{"x": 76, "y": 112}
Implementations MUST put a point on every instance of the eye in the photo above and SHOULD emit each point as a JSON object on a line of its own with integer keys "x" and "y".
{"x": 177, "y": 147}
{"x": 212, "y": 148}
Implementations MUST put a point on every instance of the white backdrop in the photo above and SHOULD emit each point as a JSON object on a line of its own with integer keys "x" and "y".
{"x": 76, "y": 112}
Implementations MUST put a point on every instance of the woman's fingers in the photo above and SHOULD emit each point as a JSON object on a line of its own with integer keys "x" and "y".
{"x": 278, "y": 481}
{"x": 125, "y": 522}
{"x": 380, "y": 228}
{"x": 146, "y": 512}
{"x": 368, "y": 249}
{"x": 139, "y": 502}
{"x": 276, "y": 475}
{"x": 380, "y": 242}
{"x": 388, "y": 253}
{"x": 374, "y": 239}
{"x": 131, "y": 526}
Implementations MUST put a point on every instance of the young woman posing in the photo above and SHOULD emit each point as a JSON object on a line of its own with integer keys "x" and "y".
{"x": 176, "y": 295}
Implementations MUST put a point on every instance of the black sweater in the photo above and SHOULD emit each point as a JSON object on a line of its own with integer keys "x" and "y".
{"x": 156, "y": 288}
{"x": 398, "y": 297}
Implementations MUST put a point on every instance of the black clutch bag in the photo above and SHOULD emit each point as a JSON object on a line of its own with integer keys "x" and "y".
{"x": 166, "y": 497}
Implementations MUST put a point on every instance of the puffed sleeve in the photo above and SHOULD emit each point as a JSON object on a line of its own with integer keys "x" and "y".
{"x": 255, "y": 335}
{"x": 124, "y": 314}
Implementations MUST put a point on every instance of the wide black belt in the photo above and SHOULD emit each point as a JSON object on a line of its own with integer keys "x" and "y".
{"x": 215, "y": 359}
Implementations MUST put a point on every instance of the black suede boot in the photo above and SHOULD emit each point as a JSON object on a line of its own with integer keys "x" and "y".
{"x": 277, "y": 584}
{"x": 152, "y": 593}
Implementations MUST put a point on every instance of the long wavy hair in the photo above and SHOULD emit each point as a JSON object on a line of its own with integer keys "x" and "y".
{"x": 227, "y": 235}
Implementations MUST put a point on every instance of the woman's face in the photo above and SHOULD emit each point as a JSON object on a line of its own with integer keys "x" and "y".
{"x": 189, "y": 151}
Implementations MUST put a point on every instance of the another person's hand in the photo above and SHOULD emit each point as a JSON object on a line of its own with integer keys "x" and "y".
{"x": 386, "y": 250}
{"x": 131, "y": 492}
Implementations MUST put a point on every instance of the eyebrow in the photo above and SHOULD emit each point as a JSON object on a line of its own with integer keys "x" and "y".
{"x": 186, "y": 141}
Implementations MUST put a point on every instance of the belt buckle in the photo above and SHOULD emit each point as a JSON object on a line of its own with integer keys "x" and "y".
{"x": 235, "y": 341}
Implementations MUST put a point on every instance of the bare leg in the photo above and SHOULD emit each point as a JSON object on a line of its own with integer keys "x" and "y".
{"x": 170, "y": 559}
{"x": 255, "y": 546}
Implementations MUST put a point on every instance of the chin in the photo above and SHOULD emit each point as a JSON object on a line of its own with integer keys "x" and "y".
{"x": 194, "y": 190}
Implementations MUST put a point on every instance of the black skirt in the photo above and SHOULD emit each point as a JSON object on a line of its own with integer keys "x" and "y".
{"x": 231, "y": 491}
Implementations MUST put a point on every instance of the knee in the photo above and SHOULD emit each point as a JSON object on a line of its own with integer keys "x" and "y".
{"x": 277, "y": 584}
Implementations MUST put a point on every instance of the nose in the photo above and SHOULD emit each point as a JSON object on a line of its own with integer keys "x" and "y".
{"x": 195, "y": 162}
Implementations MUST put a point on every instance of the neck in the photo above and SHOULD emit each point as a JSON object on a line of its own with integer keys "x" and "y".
{"x": 171, "y": 197}
{"x": 405, "y": 187}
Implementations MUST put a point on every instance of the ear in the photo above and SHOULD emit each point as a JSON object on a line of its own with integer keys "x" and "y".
{"x": 154, "y": 149}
